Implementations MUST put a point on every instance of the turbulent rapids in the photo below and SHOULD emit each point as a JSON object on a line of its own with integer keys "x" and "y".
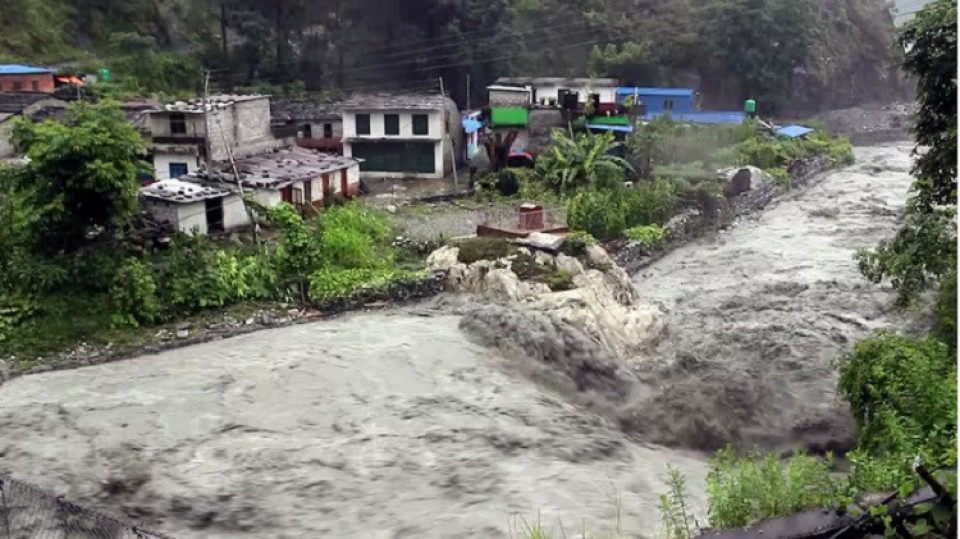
{"x": 444, "y": 419}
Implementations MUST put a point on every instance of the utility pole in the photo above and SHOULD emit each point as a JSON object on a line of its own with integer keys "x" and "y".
{"x": 453, "y": 155}
{"x": 205, "y": 81}
{"x": 236, "y": 178}
{"x": 468, "y": 91}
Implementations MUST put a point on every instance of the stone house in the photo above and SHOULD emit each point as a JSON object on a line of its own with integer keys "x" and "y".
{"x": 545, "y": 89}
{"x": 318, "y": 125}
{"x": 403, "y": 135}
{"x": 231, "y": 125}
{"x": 296, "y": 175}
{"x": 192, "y": 208}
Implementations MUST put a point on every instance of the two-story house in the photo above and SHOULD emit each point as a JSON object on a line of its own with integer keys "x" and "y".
{"x": 403, "y": 135}
{"x": 231, "y": 125}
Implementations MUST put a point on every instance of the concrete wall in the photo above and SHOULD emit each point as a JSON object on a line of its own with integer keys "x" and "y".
{"x": 505, "y": 98}
{"x": 435, "y": 122}
{"x": 234, "y": 214}
{"x": 267, "y": 197}
{"x": 184, "y": 217}
{"x": 161, "y": 163}
{"x": 316, "y": 128}
{"x": 608, "y": 94}
{"x": 159, "y": 125}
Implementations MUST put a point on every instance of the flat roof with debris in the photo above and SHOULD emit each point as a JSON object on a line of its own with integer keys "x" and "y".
{"x": 560, "y": 81}
{"x": 279, "y": 169}
{"x": 388, "y": 101}
{"x": 214, "y": 102}
{"x": 182, "y": 192}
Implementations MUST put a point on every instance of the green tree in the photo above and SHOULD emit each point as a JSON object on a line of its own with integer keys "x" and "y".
{"x": 924, "y": 252}
{"x": 81, "y": 181}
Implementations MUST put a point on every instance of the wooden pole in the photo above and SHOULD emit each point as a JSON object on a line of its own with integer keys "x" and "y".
{"x": 453, "y": 155}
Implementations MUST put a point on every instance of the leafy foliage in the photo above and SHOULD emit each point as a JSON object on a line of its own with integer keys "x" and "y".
{"x": 743, "y": 491}
{"x": 597, "y": 213}
{"x": 583, "y": 160}
{"x": 677, "y": 519}
{"x": 82, "y": 174}
{"x": 649, "y": 235}
{"x": 903, "y": 393}
{"x": 134, "y": 294}
{"x": 924, "y": 250}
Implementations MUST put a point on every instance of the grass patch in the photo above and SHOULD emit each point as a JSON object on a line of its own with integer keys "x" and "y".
{"x": 483, "y": 248}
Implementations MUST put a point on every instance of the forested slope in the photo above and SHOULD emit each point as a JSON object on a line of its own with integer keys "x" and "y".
{"x": 789, "y": 54}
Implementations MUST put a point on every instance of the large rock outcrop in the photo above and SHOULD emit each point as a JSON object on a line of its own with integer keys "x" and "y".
{"x": 588, "y": 291}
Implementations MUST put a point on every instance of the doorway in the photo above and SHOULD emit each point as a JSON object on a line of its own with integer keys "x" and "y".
{"x": 214, "y": 207}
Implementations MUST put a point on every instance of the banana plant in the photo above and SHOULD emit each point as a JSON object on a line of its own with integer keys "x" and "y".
{"x": 579, "y": 161}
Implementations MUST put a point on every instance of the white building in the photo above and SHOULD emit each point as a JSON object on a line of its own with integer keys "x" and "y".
{"x": 544, "y": 89}
{"x": 233, "y": 125}
{"x": 318, "y": 125}
{"x": 192, "y": 208}
{"x": 403, "y": 136}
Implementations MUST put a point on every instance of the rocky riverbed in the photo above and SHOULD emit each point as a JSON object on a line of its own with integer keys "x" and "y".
{"x": 447, "y": 418}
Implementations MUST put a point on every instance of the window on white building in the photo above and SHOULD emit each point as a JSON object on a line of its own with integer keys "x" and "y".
{"x": 363, "y": 124}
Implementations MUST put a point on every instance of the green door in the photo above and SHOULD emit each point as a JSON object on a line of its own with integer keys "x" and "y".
{"x": 396, "y": 156}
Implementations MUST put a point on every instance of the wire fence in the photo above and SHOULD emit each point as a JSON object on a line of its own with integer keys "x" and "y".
{"x": 27, "y": 512}
{"x": 515, "y": 219}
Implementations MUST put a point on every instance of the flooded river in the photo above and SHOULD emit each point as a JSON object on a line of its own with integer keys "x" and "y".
{"x": 395, "y": 425}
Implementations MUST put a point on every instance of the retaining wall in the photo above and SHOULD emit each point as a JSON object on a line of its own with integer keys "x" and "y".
{"x": 691, "y": 224}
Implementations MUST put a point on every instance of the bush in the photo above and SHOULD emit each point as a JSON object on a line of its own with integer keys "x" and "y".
{"x": 330, "y": 283}
{"x": 648, "y": 235}
{"x": 903, "y": 394}
{"x": 597, "y": 212}
{"x": 650, "y": 203}
{"x": 134, "y": 294}
{"x": 576, "y": 243}
{"x": 743, "y": 491}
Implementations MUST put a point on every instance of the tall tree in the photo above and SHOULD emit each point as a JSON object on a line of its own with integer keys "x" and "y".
{"x": 82, "y": 176}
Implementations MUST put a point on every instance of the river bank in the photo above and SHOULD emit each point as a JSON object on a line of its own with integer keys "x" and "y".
{"x": 397, "y": 424}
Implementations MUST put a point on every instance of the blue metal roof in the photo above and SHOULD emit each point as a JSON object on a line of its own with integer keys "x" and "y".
{"x": 19, "y": 69}
{"x": 794, "y": 131}
{"x": 659, "y": 92}
{"x": 703, "y": 117}
{"x": 608, "y": 127}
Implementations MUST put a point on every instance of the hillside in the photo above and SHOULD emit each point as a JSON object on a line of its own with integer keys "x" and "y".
{"x": 794, "y": 56}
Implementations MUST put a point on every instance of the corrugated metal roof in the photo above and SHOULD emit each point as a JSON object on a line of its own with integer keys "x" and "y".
{"x": 794, "y": 131}
{"x": 20, "y": 69}
{"x": 703, "y": 117}
{"x": 659, "y": 92}
{"x": 610, "y": 127}
{"x": 388, "y": 101}
{"x": 560, "y": 81}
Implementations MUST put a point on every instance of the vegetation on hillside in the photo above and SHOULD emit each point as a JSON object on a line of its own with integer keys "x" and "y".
{"x": 765, "y": 49}
{"x": 73, "y": 272}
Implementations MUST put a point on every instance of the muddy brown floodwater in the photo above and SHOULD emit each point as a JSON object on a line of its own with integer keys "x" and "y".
{"x": 398, "y": 425}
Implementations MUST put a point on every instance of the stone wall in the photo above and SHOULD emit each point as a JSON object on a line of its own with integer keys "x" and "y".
{"x": 691, "y": 224}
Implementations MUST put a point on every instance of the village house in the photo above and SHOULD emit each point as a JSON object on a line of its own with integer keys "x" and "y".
{"x": 296, "y": 175}
{"x": 550, "y": 90}
{"x": 230, "y": 126}
{"x": 318, "y": 125}
{"x": 192, "y": 208}
{"x": 403, "y": 135}
{"x": 24, "y": 78}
